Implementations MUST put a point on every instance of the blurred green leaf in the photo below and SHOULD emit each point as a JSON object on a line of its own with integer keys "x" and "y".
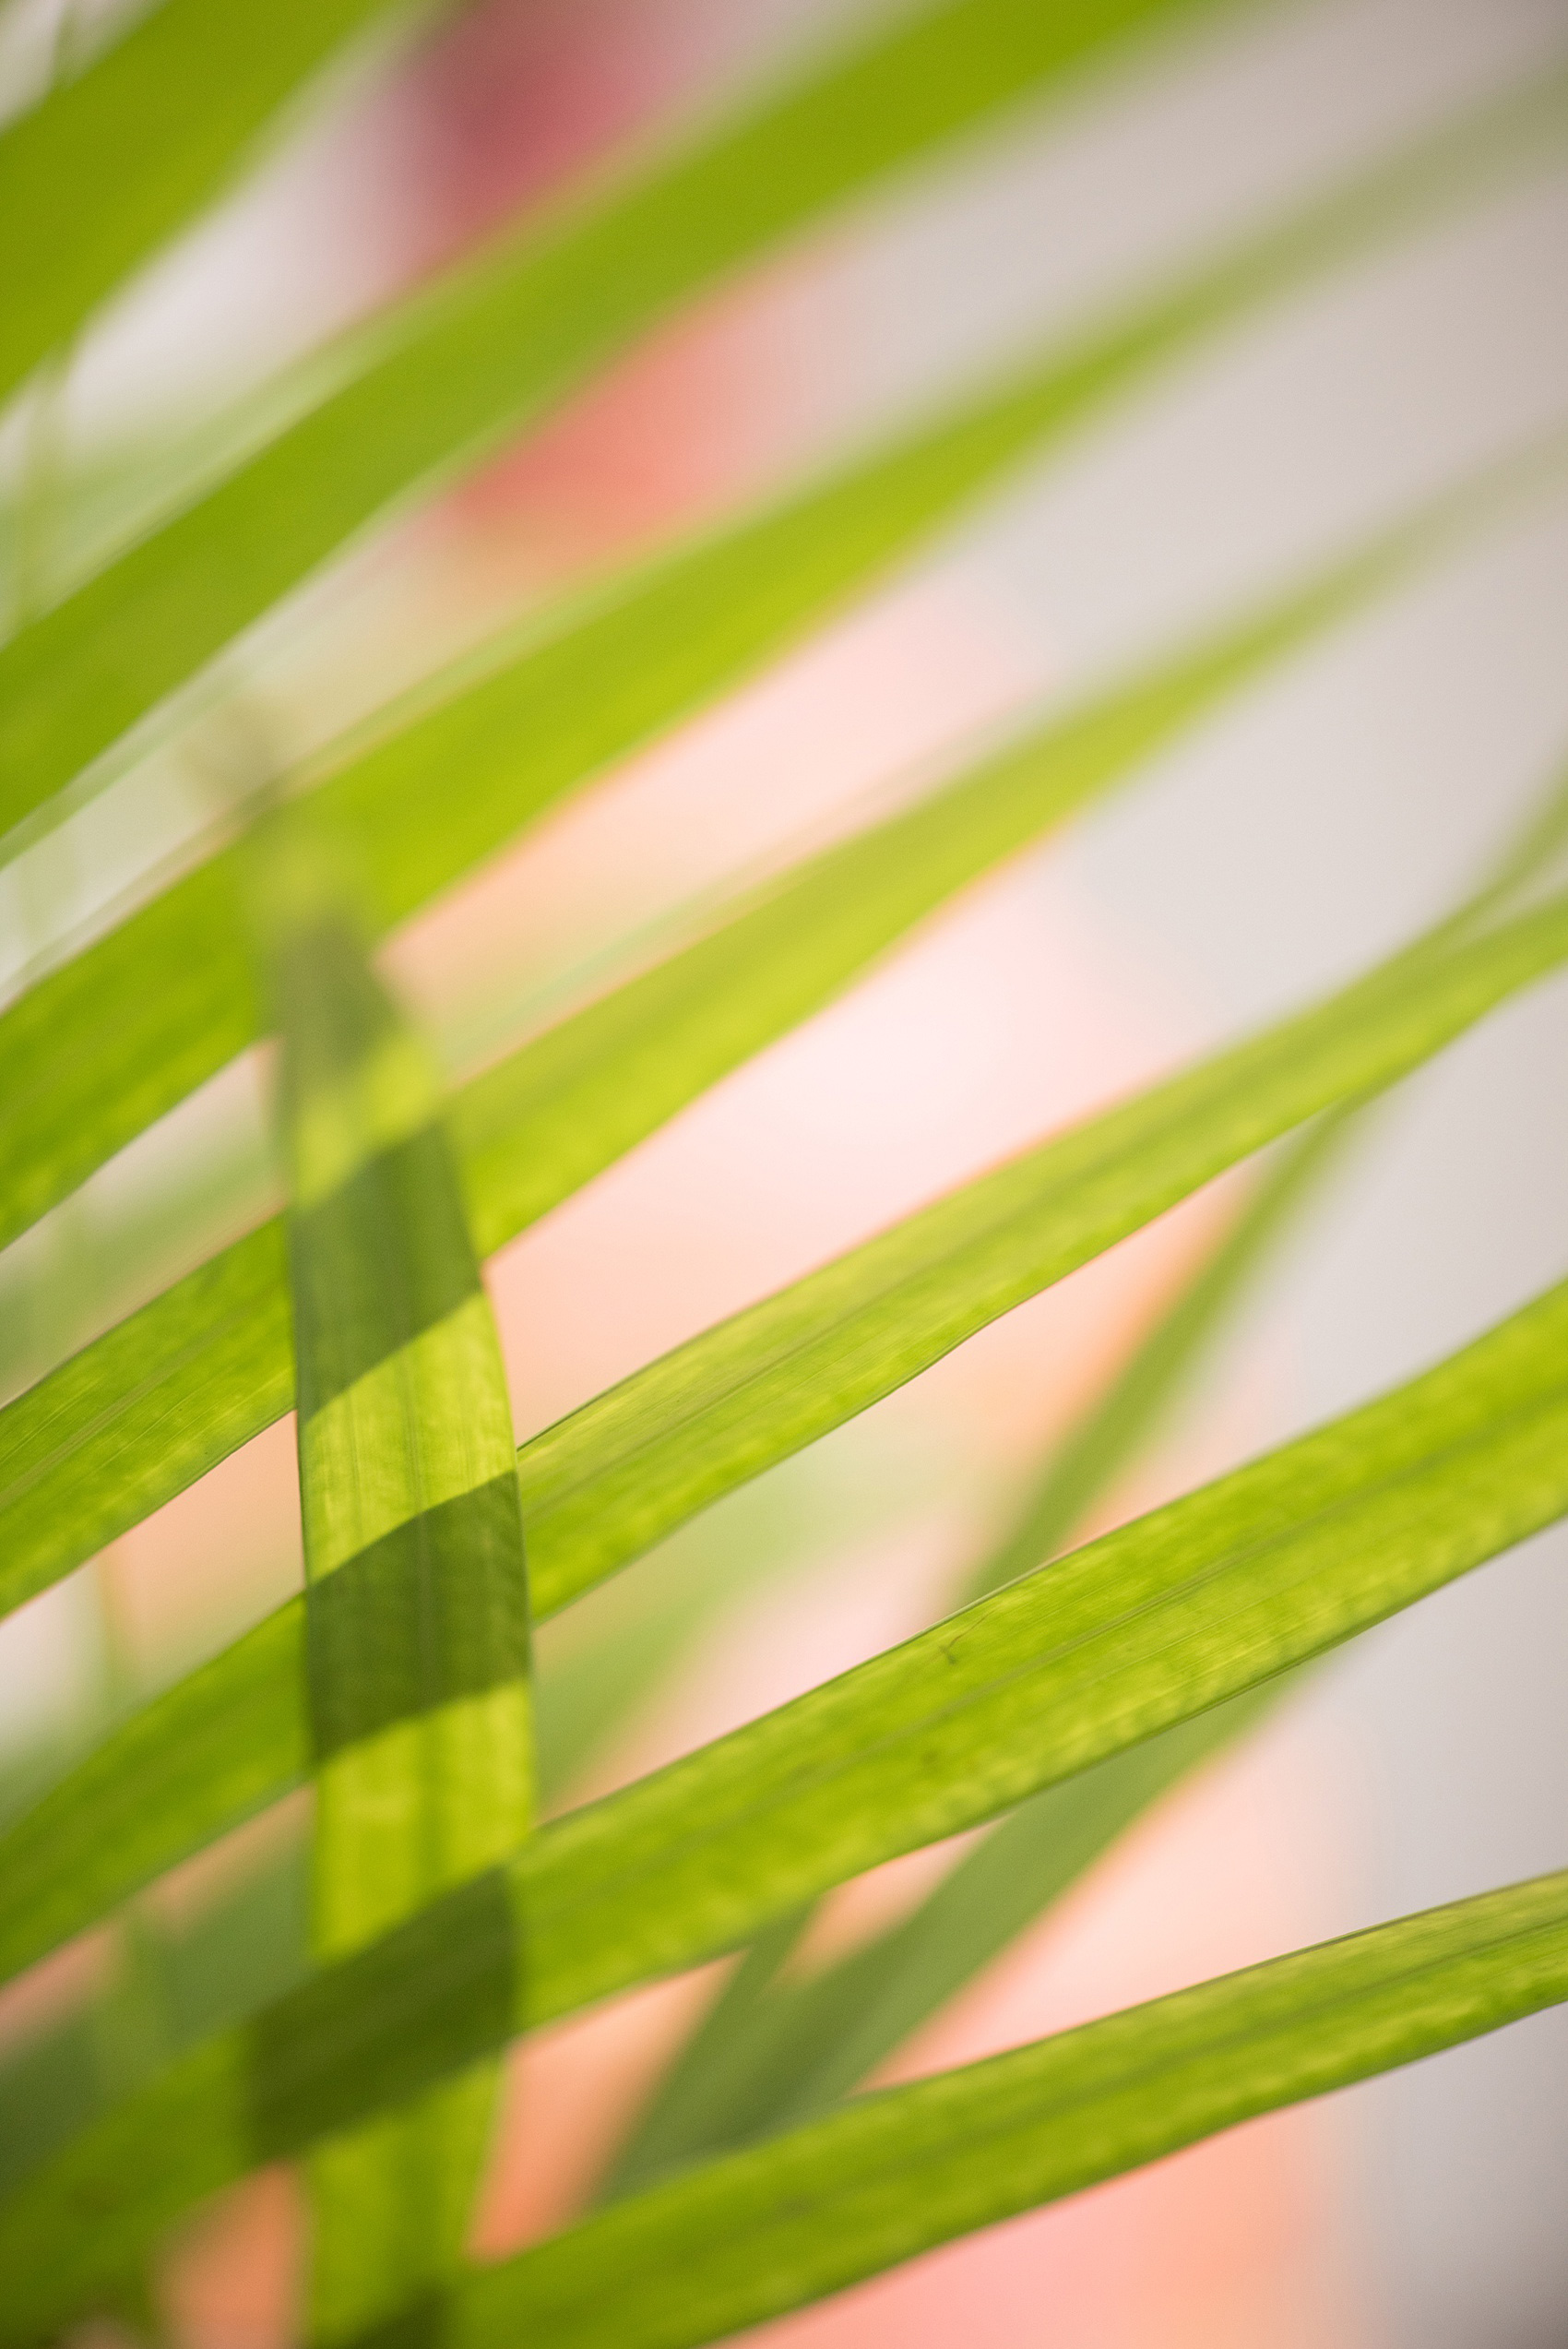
{"x": 103, "y": 169}
{"x": 440, "y": 383}
{"x": 892, "y": 2175}
{"x": 1148, "y": 1626}
{"x": 154, "y": 1402}
{"x": 98, "y": 1050}
{"x": 416, "y": 1604}
{"x": 240, "y": 1947}
{"x": 207, "y": 1754}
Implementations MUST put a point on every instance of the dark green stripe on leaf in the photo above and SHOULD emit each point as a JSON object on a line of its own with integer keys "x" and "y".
{"x": 893, "y": 2175}
{"x": 423, "y": 2001}
{"x": 432, "y": 1612}
{"x": 383, "y": 1259}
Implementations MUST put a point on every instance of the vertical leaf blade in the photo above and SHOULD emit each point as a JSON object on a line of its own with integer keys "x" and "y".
{"x": 416, "y": 1602}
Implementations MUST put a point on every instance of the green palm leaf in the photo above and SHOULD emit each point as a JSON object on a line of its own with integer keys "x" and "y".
{"x": 441, "y": 382}
{"x": 1148, "y": 1626}
{"x": 91, "y": 1056}
{"x": 1068, "y": 1692}
{"x": 416, "y": 1601}
{"x": 109, "y": 164}
{"x": 602, "y": 1486}
{"x": 894, "y": 2173}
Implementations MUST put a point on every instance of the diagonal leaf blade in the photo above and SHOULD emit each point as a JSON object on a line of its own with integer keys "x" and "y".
{"x": 108, "y": 165}
{"x": 1108, "y": 1438}
{"x": 892, "y": 2175}
{"x": 603, "y": 1485}
{"x": 791, "y": 2050}
{"x": 98, "y": 1049}
{"x": 1148, "y": 1626}
{"x": 440, "y": 383}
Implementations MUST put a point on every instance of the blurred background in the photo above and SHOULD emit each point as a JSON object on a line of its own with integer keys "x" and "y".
{"x": 1308, "y": 830}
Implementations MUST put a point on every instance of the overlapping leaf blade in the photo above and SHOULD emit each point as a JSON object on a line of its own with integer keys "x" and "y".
{"x": 98, "y": 1050}
{"x": 893, "y": 2175}
{"x": 155, "y": 1402}
{"x": 1148, "y": 1626}
{"x": 1099, "y": 1447}
{"x": 602, "y": 1486}
{"x": 416, "y": 1601}
{"x": 771, "y": 2053}
{"x": 1145, "y": 1628}
{"x": 775, "y": 2053}
{"x": 442, "y": 381}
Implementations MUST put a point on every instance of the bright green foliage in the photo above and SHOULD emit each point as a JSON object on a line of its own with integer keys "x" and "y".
{"x": 364, "y": 2042}
{"x": 159, "y": 1399}
{"x": 894, "y": 2173}
{"x": 1148, "y": 1626}
{"x": 119, "y": 1035}
{"x": 1110, "y": 1436}
{"x": 603, "y": 1487}
{"x": 108, "y": 165}
{"x": 416, "y": 1601}
{"x": 441, "y": 382}
{"x": 775, "y": 2053}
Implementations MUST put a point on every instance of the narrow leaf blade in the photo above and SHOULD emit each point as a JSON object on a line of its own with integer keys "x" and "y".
{"x": 106, "y": 167}
{"x": 1146, "y": 1628}
{"x": 416, "y": 1599}
{"x": 893, "y": 2175}
{"x": 499, "y": 340}
{"x": 97, "y": 1050}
